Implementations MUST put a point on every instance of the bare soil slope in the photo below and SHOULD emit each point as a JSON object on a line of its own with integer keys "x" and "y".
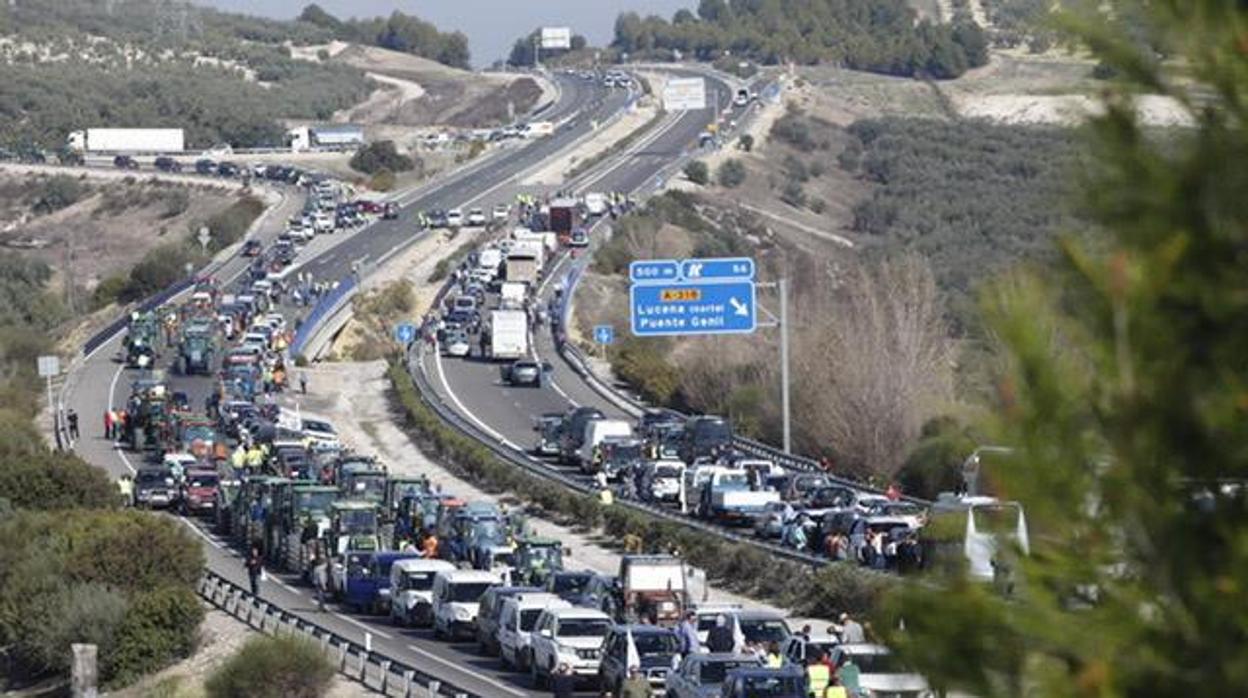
{"x": 420, "y": 92}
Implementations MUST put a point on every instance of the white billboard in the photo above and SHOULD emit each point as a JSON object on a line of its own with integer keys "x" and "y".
{"x": 556, "y": 37}
{"x": 684, "y": 93}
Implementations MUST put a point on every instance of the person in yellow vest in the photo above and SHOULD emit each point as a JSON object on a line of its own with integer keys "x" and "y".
{"x": 239, "y": 457}
{"x": 818, "y": 676}
{"x": 774, "y": 659}
{"x": 255, "y": 458}
{"x": 835, "y": 689}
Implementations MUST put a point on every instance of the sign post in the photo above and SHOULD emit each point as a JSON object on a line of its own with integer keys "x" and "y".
{"x": 404, "y": 333}
{"x": 204, "y": 237}
{"x": 604, "y": 336}
{"x": 50, "y": 367}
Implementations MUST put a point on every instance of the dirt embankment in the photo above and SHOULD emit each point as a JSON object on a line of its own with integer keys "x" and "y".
{"x": 91, "y": 228}
{"x": 417, "y": 92}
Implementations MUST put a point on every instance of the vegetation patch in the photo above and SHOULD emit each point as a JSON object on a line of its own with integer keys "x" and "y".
{"x": 281, "y": 666}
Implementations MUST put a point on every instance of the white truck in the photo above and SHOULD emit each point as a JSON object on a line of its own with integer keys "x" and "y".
{"x": 511, "y": 295}
{"x": 509, "y": 334}
{"x": 525, "y": 261}
{"x": 491, "y": 258}
{"x": 127, "y": 140}
{"x": 537, "y": 129}
{"x": 727, "y": 497}
{"x": 549, "y": 240}
{"x": 596, "y": 203}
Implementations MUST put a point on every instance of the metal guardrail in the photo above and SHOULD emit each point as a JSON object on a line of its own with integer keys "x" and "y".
{"x": 541, "y": 469}
{"x": 375, "y": 670}
{"x": 325, "y": 308}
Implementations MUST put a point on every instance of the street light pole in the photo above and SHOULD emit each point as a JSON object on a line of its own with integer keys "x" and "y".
{"x": 784, "y": 361}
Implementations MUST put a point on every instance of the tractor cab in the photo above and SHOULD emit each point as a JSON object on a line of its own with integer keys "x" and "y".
{"x": 536, "y": 559}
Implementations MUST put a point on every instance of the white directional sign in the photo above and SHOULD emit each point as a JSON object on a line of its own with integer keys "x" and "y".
{"x": 681, "y": 94}
{"x": 556, "y": 37}
{"x": 49, "y": 366}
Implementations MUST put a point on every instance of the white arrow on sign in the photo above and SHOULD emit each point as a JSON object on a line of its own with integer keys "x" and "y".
{"x": 738, "y": 307}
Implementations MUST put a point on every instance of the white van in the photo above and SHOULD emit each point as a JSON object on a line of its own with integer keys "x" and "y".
{"x": 456, "y": 600}
{"x": 597, "y": 430}
{"x": 515, "y": 626}
{"x": 571, "y": 636}
{"x": 411, "y": 590}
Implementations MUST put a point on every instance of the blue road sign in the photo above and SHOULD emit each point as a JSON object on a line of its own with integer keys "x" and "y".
{"x": 717, "y": 268}
{"x": 604, "y": 334}
{"x": 645, "y": 271}
{"x": 405, "y": 333}
{"x": 688, "y": 308}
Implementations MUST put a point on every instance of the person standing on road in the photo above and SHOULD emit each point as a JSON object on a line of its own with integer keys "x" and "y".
{"x": 303, "y": 382}
{"x": 320, "y": 580}
{"x": 818, "y": 677}
{"x": 636, "y": 685}
{"x": 72, "y": 418}
{"x": 255, "y": 568}
{"x": 720, "y": 638}
{"x": 108, "y": 424}
{"x": 688, "y": 633}
{"x": 851, "y": 631}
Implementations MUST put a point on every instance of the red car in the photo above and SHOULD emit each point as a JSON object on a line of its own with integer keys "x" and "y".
{"x": 252, "y": 248}
{"x": 368, "y": 206}
{"x": 199, "y": 491}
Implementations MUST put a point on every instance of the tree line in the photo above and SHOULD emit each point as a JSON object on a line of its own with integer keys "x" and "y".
{"x": 880, "y": 36}
{"x": 398, "y": 32}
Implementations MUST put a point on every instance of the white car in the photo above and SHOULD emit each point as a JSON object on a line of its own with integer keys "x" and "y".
{"x": 501, "y": 212}
{"x": 411, "y": 590}
{"x": 515, "y": 626}
{"x": 457, "y": 344}
{"x": 476, "y": 218}
{"x": 571, "y": 636}
{"x": 321, "y": 432}
{"x": 454, "y": 218}
{"x": 879, "y": 672}
{"x": 324, "y": 223}
{"x": 456, "y": 600}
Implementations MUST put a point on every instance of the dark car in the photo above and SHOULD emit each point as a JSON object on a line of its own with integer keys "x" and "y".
{"x": 390, "y": 211}
{"x": 164, "y": 163}
{"x": 437, "y": 218}
{"x": 525, "y": 372}
{"x": 788, "y": 682}
{"x": 252, "y": 248}
{"x": 154, "y": 488}
{"x": 227, "y": 169}
{"x": 566, "y": 583}
{"x": 205, "y": 166}
{"x": 656, "y": 647}
{"x": 125, "y": 162}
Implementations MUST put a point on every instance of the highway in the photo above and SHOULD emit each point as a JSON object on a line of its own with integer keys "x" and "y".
{"x": 102, "y": 380}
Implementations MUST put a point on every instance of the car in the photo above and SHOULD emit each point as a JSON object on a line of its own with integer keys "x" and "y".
{"x": 517, "y": 619}
{"x": 755, "y": 682}
{"x": 568, "y": 583}
{"x": 320, "y": 431}
{"x": 501, "y": 212}
{"x": 199, "y": 491}
{"x": 656, "y": 648}
{"x": 227, "y": 169}
{"x": 456, "y": 598}
{"x": 324, "y": 223}
{"x": 571, "y": 636}
{"x": 476, "y": 218}
{"x": 490, "y": 615}
{"x": 204, "y": 166}
{"x": 769, "y": 523}
{"x": 390, "y": 211}
{"x": 411, "y": 590}
{"x": 700, "y": 675}
{"x": 164, "y": 163}
{"x": 125, "y": 162}
{"x": 660, "y": 480}
{"x": 580, "y": 238}
{"x": 154, "y": 488}
{"x": 252, "y": 248}
{"x": 454, "y": 218}
{"x": 437, "y": 218}
{"x": 762, "y": 627}
{"x": 457, "y": 344}
{"x": 880, "y": 673}
{"x": 524, "y": 372}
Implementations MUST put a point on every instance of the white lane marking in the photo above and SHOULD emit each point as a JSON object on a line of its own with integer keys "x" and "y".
{"x": 367, "y": 628}
{"x": 437, "y": 358}
{"x": 496, "y": 684}
{"x": 119, "y": 450}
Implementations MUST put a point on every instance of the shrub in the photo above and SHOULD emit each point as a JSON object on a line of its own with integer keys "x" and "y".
{"x": 644, "y": 364}
{"x": 161, "y": 626}
{"x": 273, "y": 667}
{"x": 108, "y": 290}
{"x": 159, "y": 268}
{"x": 732, "y": 173}
{"x": 382, "y": 181}
{"x": 698, "y": 172}
{"x": 88, "y": 613}
{"x": 793, "y": 194}
{"x": 795, "y": 168}
{"x": 58, "y": 192}
{"x": 818, "y": 205}
{"x": 40, "y": 479}
{"x": 746, "y": 143}
{"x": 378, "y": 156}
{"x": 176, "y": 203}
{"x": 229, "y": 226}
{"x": 935, "y": 464}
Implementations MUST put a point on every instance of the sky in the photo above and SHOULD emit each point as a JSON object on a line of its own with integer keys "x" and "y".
{"x": 492, "y": 26}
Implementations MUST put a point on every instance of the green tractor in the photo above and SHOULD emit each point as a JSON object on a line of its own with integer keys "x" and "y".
{"x": 148, "y": 410}
{"x": 141, "y": 338}
{"x": 299, "y": 504}
{"x": 536, "y": 558}
{"x": 197, "y": 348}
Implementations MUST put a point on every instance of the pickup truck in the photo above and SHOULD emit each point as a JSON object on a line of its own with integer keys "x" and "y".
{"x": 727, "y": 497}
